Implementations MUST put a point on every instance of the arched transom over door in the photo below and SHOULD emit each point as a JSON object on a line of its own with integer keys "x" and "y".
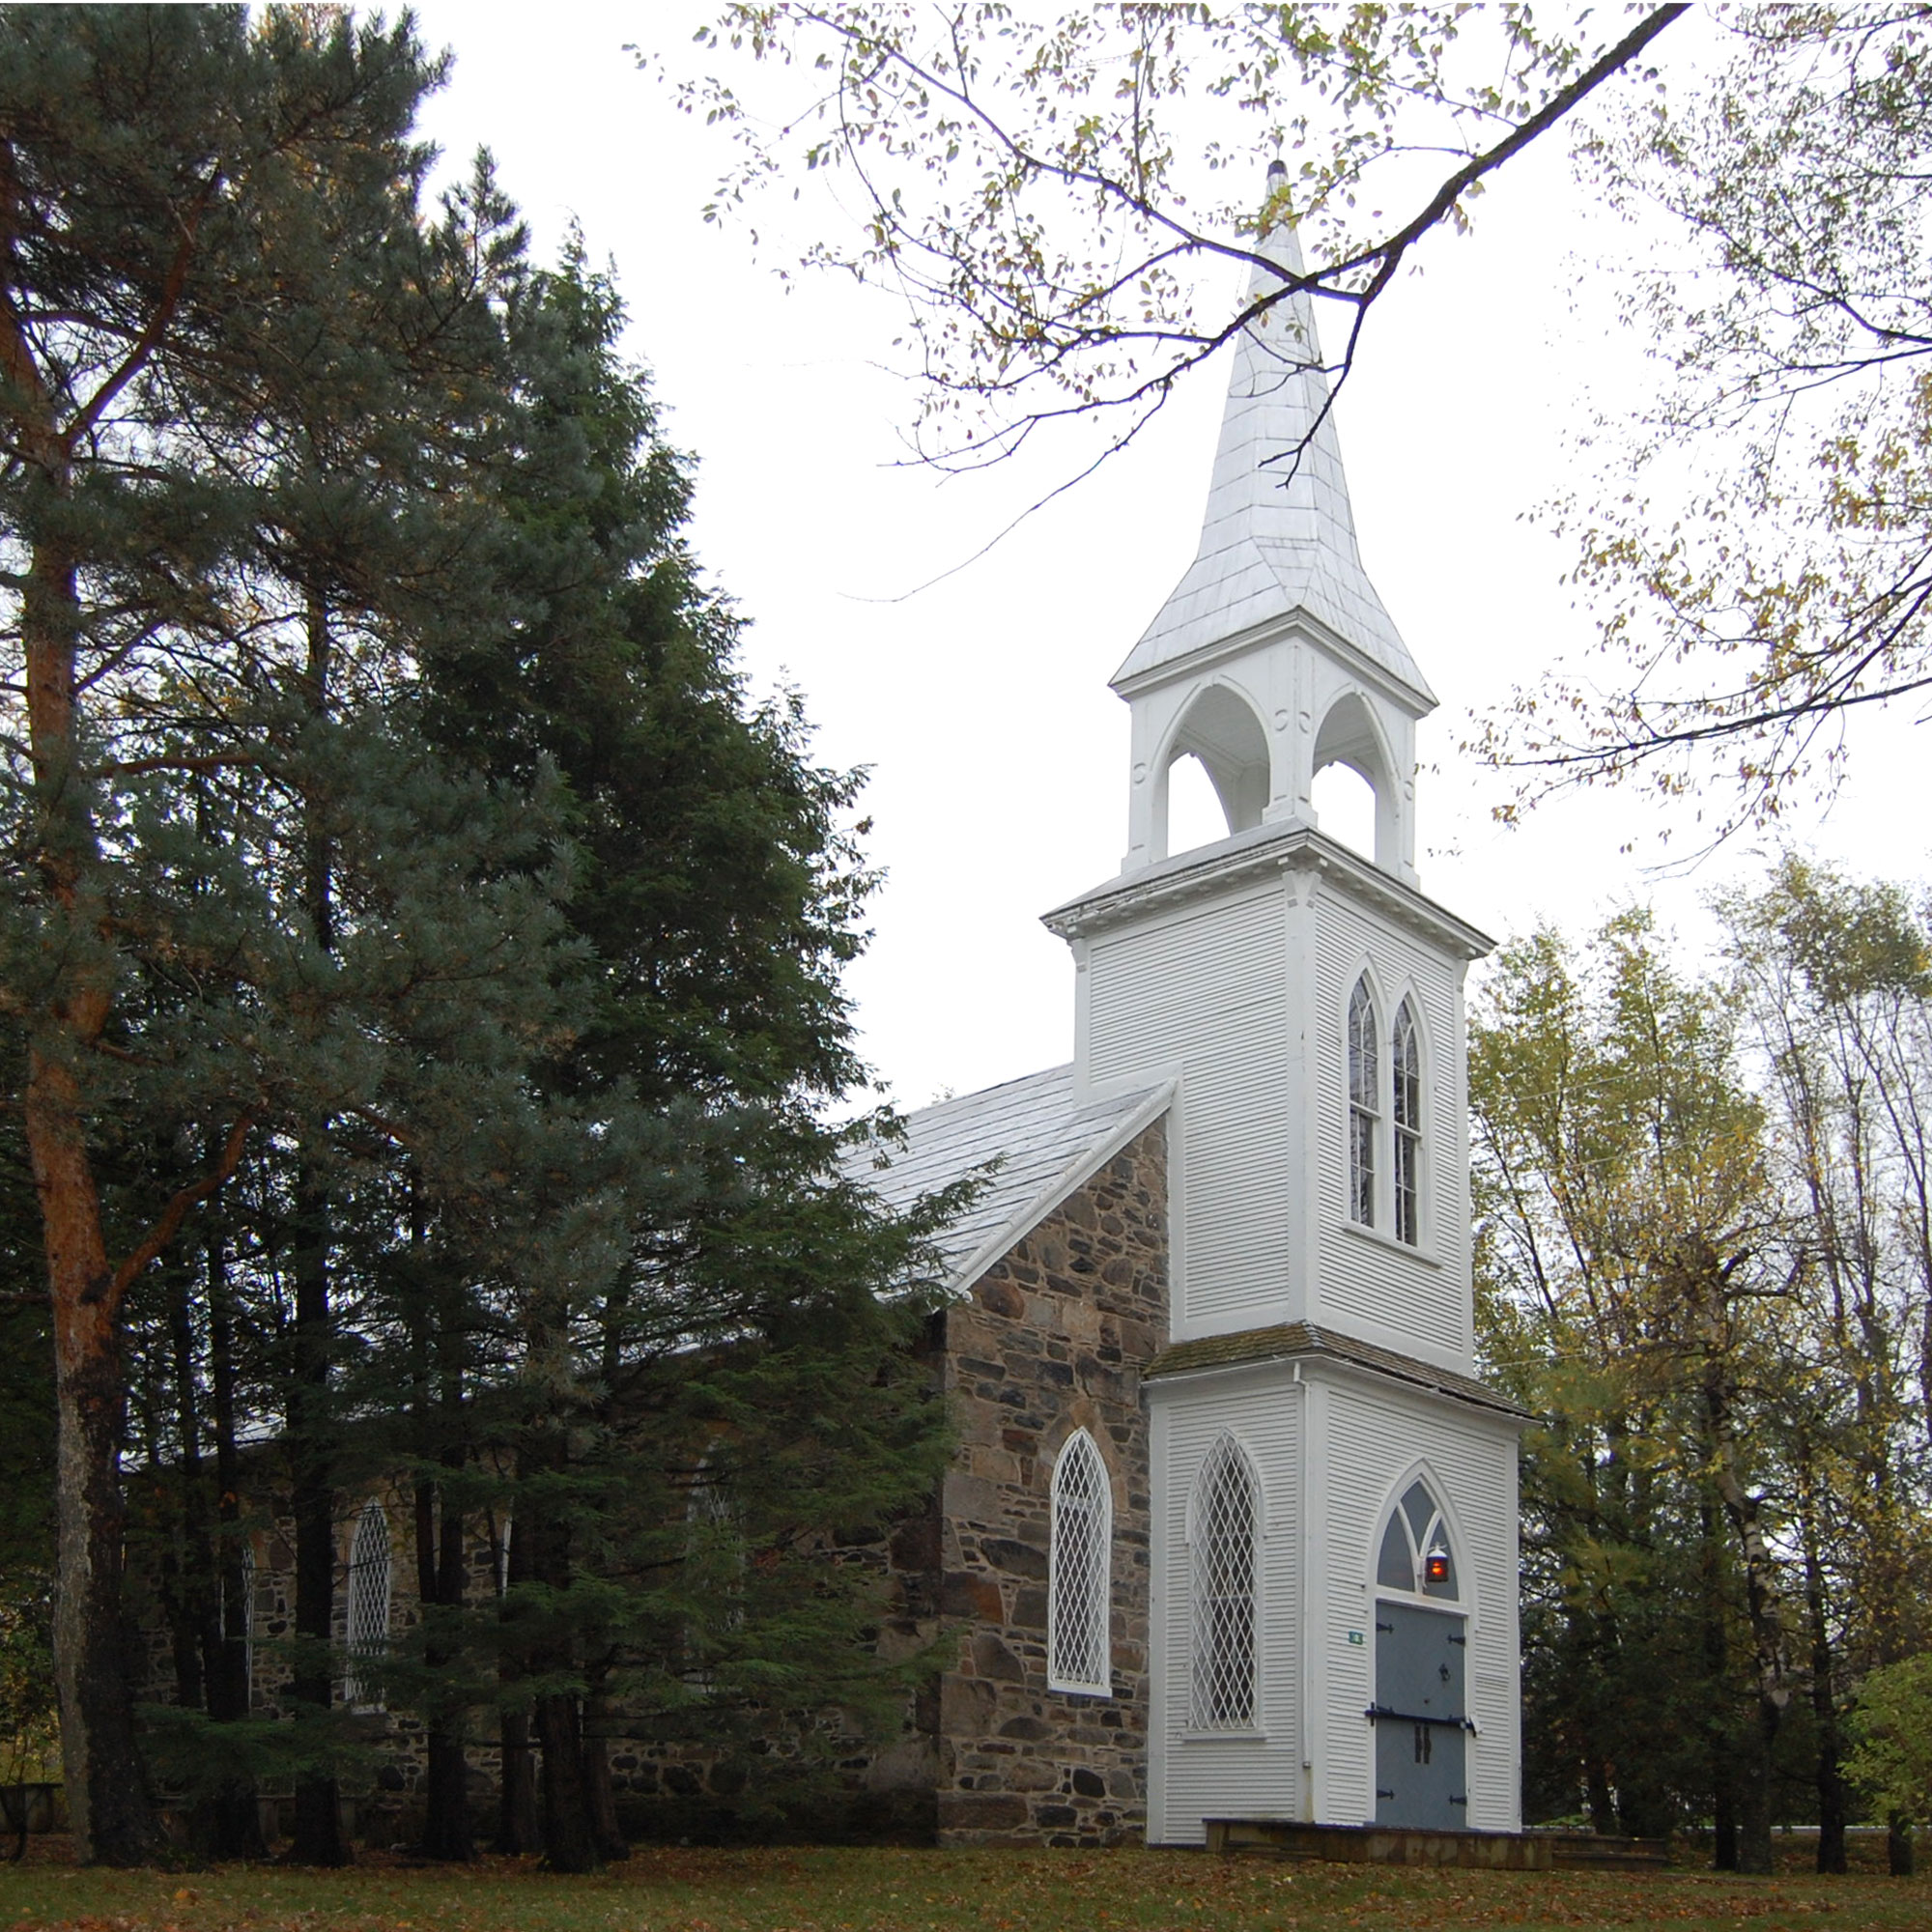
{"x": 1421, "y": 1712}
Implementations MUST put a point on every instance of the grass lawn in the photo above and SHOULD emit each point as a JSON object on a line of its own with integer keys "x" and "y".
{"x": 844, "y": 1891}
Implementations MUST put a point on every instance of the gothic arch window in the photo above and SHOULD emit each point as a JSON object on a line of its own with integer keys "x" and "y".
{"x": 1227, "y": 1590}
{"x": 1079, "y": 1564}
{"x": 238, "y": 1620}
{"x": 1417, "y": 1556}
{"x": 368, "y": 1627}
{"x": 1405, "y": 1113}
{"x": 1365, "y": 1094}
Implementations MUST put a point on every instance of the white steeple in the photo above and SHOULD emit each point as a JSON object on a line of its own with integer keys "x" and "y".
{"x": 1274, "y": 656}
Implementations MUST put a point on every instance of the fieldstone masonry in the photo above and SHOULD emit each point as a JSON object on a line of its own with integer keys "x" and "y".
{"x": 1053, "y": 1339}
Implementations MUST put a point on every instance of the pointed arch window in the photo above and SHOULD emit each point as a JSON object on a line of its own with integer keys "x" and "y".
{"x": 1079, "y": 1565}
{"x": 238, "y": 1620}
{"x": 1365, "y": 1086}
{"x": 1405, "y": 1113}
{"x": 1417, "y": 1556}
{"x": 1227, "y": 1576}
{"x": 368, "y": 1622}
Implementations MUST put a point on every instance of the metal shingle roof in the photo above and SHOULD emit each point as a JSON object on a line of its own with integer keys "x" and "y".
{"x": 1044, "y": 1145}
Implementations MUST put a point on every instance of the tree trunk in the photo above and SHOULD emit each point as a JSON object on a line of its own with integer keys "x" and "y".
{"x": 1716, "y": 1673}
{"x": 199, "y": 1633}
{"x": 1702, "y": 1279}
{"x": 1831, "y": 1781}
{"x": 107, "y": 1797}
{"x": 569, "y": 1839}
{"x": 318, "y": 1837}
{"x": 570, "y": 1844}
{"x": 519, "y": 1828}
{"x": 232, "y": 1827}
{"x": 448, "y": 1832}
{"x": 1898, "y": 1846}
{"x": 611, "y": 1844}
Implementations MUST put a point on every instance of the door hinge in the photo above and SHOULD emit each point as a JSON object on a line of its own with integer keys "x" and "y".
{"x": 1381, "y": 1793}
{"x": 1458, "y": 1800}
{"x": 1463, "y": 1641}
{"x": 1390, "y": 1628}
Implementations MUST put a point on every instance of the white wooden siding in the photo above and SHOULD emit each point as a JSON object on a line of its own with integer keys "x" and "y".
{"x": 1195, "y": 1776}
{"x": 1365, "y": 1285}
{"x": 1373, "y": 1439}
{"x": 1208, "y": 991}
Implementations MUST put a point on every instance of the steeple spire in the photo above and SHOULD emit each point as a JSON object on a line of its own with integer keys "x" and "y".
{"x": 1279, "y": 534}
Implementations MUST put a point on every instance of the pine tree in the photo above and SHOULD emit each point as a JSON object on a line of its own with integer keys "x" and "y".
{"x": 200, "y": 219}
{"x": 701, "y": 1382}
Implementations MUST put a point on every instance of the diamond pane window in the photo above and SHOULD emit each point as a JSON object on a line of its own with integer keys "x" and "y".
{"x": 368, "y": 1631}
{"x": 1226, "y": 1619}
{"x": 1079, "y": 1563}
{"x": 1365, "y": 1081}
{"x": 1407, "y": 1059}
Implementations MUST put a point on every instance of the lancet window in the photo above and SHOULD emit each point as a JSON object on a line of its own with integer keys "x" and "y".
{"x": 1384, "y": 1118}
{"x": 368, "y": 1631}
{"x": 1406, "y": 1112}
{"x": 1227, "y": 1579}
{"x": 1365, "y": 1086}
{"x": 1416, "y": 1554}
{"x": 1079, "y": 1563}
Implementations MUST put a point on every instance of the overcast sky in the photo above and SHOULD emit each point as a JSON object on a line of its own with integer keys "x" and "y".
{"x": 999, "y": 757}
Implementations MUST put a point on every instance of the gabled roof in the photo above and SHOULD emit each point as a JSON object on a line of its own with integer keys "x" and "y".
{"x": 1279, "y": 533}
{"x": 1045, "y": 1146}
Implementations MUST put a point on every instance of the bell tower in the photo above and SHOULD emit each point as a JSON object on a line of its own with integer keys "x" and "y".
{"x": 1274, "y": 656}
{"x": 1306, "y": 998}
{"x": 1321, "y": 1456}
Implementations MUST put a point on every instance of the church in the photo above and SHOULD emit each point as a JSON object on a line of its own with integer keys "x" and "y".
{"x": 1232, "y": 1529}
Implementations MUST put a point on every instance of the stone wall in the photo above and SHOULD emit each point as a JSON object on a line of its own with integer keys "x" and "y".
{"x": 1053, "y": 1339}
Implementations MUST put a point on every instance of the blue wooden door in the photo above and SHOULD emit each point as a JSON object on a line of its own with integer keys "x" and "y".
{"x": 1421, "y": 1741}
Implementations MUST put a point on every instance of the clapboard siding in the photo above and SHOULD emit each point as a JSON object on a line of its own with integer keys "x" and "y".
{"x": 1407, "y": 1300}
{"x": 1200, "y": 1775}
{"x": 1208, "y": 991}
{"x": 1372, "y": 1442}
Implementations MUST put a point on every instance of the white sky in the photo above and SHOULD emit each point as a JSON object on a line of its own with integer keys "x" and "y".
{"x": 999, "y": 757}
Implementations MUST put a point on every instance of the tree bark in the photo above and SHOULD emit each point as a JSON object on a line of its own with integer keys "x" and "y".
{"x": 609, "y": 1834}
{"x": 570, "y": 1844}
{"x": 114, "y": 1822}
{"x": 569, "y": 1839}
{"x": 318, "y": 1834}
{"x": 1898, "y": 1846}
{"x": 319, "y": 1837}
{"x": 232, "y": 1829}
{"x": 519, "y": 1828}
{"x": 448, "y": 1832}
{"x": 1831, "y": 1781}
{"x": 1717, "y": 1675}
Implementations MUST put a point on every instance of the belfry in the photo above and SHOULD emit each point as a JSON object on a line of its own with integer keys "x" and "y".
{"x": 1214, "y": 1345}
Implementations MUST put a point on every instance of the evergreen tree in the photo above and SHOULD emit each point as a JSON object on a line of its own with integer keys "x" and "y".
{"x": 683, "y": 1436}
{"x": 425, "y": 956}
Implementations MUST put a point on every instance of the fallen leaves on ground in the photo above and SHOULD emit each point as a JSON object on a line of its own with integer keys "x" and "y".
{"x": 902, "y": 1890}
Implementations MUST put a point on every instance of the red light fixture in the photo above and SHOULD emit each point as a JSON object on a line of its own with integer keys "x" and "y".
{"x": 1435, "y": 1566}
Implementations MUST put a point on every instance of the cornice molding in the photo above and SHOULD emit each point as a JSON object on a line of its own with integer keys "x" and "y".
{"x": 1250, "y": 858}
